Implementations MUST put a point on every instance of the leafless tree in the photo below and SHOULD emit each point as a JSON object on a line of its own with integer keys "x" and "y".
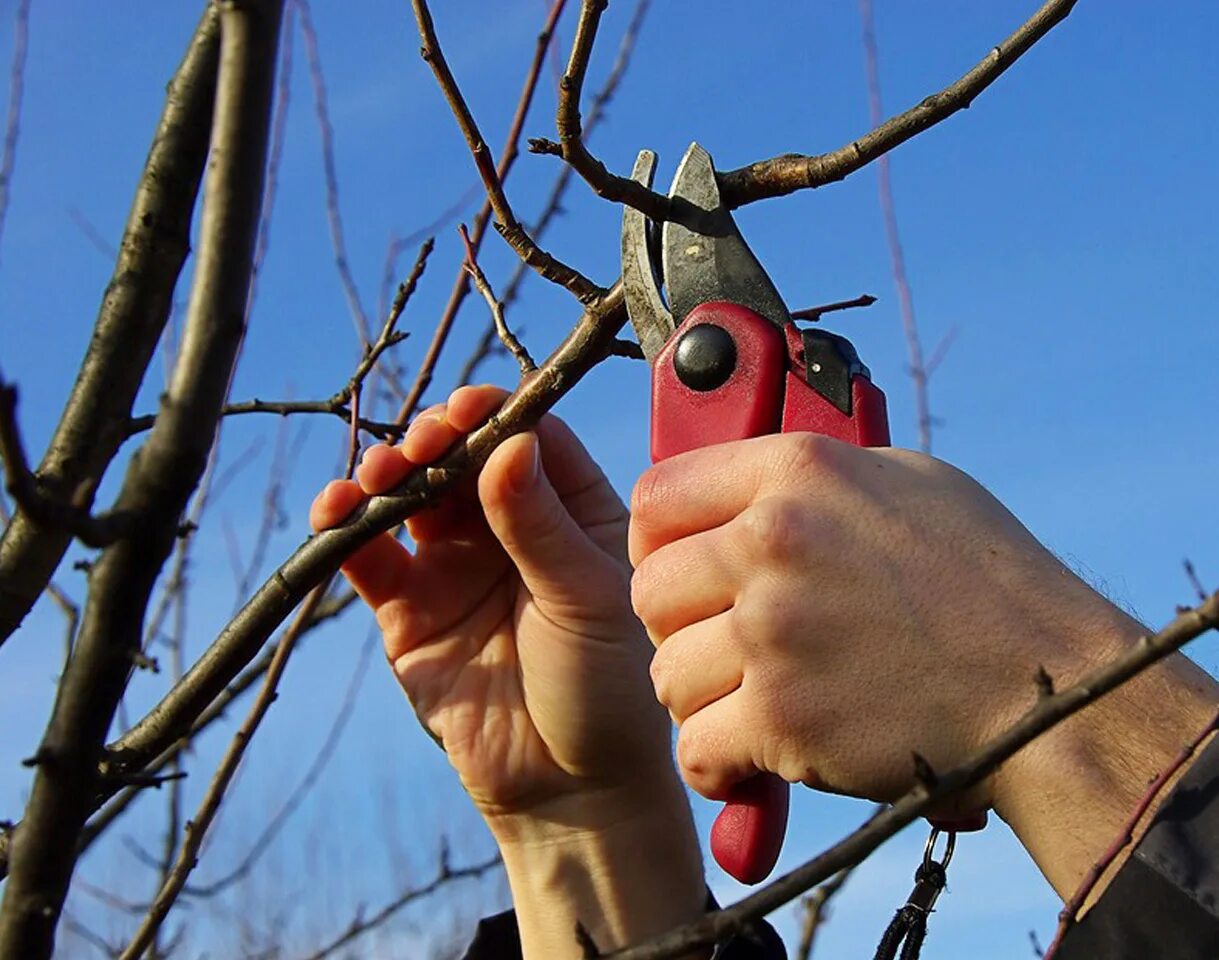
{"x": 222, "y": 128}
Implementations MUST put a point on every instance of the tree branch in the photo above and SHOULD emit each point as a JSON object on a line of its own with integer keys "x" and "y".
{"x": 16, "y": 89}
{"x": 780, "y": 176}
{"x": 197, "y": 826}
{"x": 571, "y": 145}
{"x": 506, "y": 336}
{"x": 157, "y": 487}
{"x": 1046, "y": 712}
{"x": 129, "y": 323}
{"x": 509, "y": 228}
{"x": 362, "y": 925}
{"x": 320, "y": 556}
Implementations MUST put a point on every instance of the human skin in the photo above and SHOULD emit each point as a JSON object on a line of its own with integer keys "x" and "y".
{"x": 821, "y": 611}
{"x": 510, "y": 629}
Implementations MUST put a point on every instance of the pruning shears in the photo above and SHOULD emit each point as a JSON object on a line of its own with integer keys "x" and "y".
{"x": 729, "y": 363}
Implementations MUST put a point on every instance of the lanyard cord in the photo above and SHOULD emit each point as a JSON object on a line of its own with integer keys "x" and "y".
{"x": 908, "y": 928}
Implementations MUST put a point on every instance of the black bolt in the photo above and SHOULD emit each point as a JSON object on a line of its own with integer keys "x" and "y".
{"x": 705, "y": 357}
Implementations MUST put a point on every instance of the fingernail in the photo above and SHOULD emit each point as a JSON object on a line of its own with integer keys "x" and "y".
{"x": 522, "y": 480}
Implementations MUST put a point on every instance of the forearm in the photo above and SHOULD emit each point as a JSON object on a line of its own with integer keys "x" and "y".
{"x": 631, "y": 877}
{"x": 1069, "y": 794}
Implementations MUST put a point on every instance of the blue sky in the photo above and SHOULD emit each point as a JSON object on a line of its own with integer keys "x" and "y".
{"x": 1064, "y": 227}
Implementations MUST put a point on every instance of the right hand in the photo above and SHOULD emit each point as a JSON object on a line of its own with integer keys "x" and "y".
{"x": 821, "y": 611}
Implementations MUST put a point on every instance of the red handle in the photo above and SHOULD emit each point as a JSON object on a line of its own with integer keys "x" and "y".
{"x": 766, "y": 392}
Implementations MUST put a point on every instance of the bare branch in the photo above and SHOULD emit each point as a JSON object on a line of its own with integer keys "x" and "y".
{"x": 461, "y": 285}
{"x": 294, "y": 800}
{"x": 16, "y": 88}
{"x": 509, "y": 228}
{"x": 362, "y": 925}
{"x": 157, "y": 487}
{"x": 815, "y": 908}
{"x": 34, "y": 501}
{"x": 814, "y": 314}
{"x": 1070, "y": 912}
{"x": 553, "y": 206}
{"x": 196, "y": 827}
{"x": 1045, "y": 712}
{"x": 506, "y": 336}
{"x": 320, "y": 556}
{"x": 780, "y": 176}
{"x": 919, "y": 375}
{"x": 333, "y": 216}
{"x": 284, "y": 408}
{"x": 571, "y": 146}
{"x": 129, "y": 323}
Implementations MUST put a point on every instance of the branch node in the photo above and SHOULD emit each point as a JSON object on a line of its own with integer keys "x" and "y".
{"x": 1045, "y": 683}
{"x": 924, "y": 773}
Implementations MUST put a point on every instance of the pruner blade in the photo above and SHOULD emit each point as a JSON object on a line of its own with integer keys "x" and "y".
{"x": 703, "y": 255}
{"x": 650, "y": 317}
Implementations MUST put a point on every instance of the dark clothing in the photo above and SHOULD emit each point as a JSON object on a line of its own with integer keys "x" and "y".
{"x": 1162, "y": 905}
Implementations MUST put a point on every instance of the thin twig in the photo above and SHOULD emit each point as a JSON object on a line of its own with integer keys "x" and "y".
{"x": 815, "y": 911}
{"x": 362, "y": 925}
{"x": 461, "y": 284}
{"x": 294, "y": 800}
{"x": 337, "y": 408}
{"x": 326, "y": 130}
{"x": 914, "y": 345}
{"x": 16, "y": 88}
{"x": 1070, "y": 912}
{"x": 1046, "y": 712}
{"x": 1195, "y": 581}
{"x": 506, "y": 336}
{"x": 488, "y": 340}
{"x": 547, "y": 265}
{"x": 780, "y": 176}
{"x": 196, "y": 827}
{"x": 814, "y": 314}
{"x": 571, "y": 146}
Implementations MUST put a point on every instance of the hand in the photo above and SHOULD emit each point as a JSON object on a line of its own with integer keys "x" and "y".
{"x": 821, "y": 611}
{"x": 510, "y": 628}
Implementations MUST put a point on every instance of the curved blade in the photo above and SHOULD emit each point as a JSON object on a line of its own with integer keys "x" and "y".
{"x": 716, "y": 263}
{"x": 649, "y": 316}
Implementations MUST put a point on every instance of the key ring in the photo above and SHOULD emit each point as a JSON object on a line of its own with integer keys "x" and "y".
{"x": 950, "y": 845}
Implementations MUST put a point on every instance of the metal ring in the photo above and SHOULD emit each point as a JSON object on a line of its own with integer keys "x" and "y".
{"x": 949, "y": 846}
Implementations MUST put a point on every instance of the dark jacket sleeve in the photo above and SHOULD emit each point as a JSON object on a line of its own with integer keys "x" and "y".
{"x": 1164, "y": 902}
{"x": 497, "y": 938}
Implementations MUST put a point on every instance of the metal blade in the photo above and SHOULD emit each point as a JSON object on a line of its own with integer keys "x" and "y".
{"x": 649, "y": 316}
{"x": 714, "y": 263}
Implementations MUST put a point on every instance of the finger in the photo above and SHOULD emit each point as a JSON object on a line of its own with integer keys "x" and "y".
{"x": 558, "y": 563}
{"x": 685, "y": 582}
{"x": 381, "y": 468}
{"x": 441, "y": 426}
{"x": 379, "y": 571}
{"x": 696, "y": 666}
{"x": 332, "y": 505}
{"x": 713, "y": 753}
{"x": 705, "y": 488}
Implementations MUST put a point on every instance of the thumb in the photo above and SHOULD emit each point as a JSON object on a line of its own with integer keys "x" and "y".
{"x": 557, "y": 561}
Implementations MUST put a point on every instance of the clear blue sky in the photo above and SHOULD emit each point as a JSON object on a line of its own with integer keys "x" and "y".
{"x": 1064, "y": 226}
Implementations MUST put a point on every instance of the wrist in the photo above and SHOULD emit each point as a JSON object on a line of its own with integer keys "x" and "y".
{"x": 623, "y": 871}
{"x": 1068, "y": 795}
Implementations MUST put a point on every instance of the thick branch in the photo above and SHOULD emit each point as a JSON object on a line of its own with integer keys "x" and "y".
{"x": 1047, "y": 711}
{"x": 320, "y": 556}
{"x": 133, "y": 312}
{"x": 157, "y": 487}
{"x": 786, "y": 174}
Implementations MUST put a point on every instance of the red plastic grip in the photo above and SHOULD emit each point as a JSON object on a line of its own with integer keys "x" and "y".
{"x": 764, "y": 394}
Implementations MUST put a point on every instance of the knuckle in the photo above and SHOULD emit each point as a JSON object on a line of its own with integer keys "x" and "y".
{"x": 649, "y": 494}
{"x": 775, "y": 529}
{"x": 661, "y": 672}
